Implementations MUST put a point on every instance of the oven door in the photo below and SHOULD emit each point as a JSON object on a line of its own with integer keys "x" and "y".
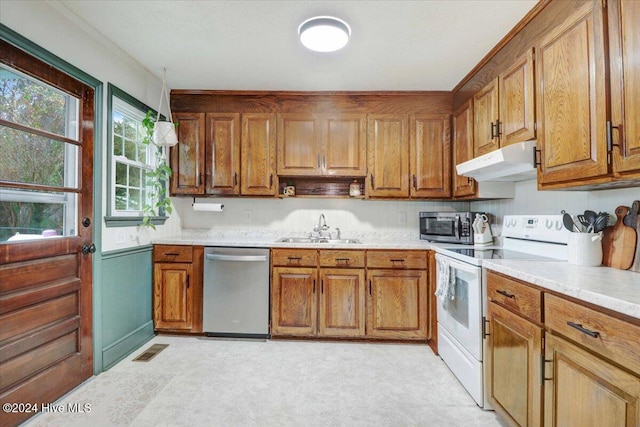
{"x": 462, "y": 316}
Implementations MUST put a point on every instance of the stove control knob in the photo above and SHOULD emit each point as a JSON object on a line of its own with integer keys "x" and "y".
{"x": 548, "y": 223}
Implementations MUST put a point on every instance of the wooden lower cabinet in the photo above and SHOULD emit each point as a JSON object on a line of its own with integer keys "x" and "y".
{"x": 172, "y": 296}
{"x": 397, "y": 304}
{"x": 342, "y": 302}
{"x": 512, "y": 367}
{"x": 294, "y": 303}
{"x": 583, "y": 390}
{"x": 177, "y": 288}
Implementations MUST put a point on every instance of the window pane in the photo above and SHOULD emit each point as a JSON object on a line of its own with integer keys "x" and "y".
{"x": 32, "y": 103}
{"x": 134, "y": 200}
{"x": 131, "y": 129}
{"x": 27, "y": 215}
{"x": 117, "y": 146}
{"x": 121, "y": 198}
{"x": 134, "y": 176}
{"x": 32, "y": 159}
{"x": 130, "y": 150}
{"x": 121, "y": 174}
{"x": 142, "y": 153}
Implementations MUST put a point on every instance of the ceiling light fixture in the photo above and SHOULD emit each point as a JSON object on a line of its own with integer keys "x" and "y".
{"x": 324, "y": 33}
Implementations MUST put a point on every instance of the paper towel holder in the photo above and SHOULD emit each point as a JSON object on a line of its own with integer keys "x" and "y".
{"x": 207, "y": 207}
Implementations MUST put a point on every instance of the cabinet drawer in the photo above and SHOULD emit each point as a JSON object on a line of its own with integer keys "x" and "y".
{"x": 294, "y": 257}
{"x": 338, "y": 258}
{"x": 609, "y": 336}
{"x": 166, "y": 253}
{"x": 516, "y": 296}
{"x": 397, "y": 259}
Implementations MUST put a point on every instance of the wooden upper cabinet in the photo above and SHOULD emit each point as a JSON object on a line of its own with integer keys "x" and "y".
{"x": 624, "y": 43}
{"x": 571, "y": 98}
{"x": 485, "y": 107}
{"x": 299, "y": 146}
{"x": 258, "y": 154}
{"x": 388, "y": 155}
{"x": 222, "y": 153}
{"x": 187, "y": 158}
{"x": 463, "y": 148}
{"x": 430, "y": 153}
{"x": 320, "y": 144}
{"x": 517, "y": 107}
{"x": 344, "y": 145}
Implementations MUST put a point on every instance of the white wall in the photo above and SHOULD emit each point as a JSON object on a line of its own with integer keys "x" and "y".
{"x": 54, "y": 28}
{"x": 529, "y": 200}
{"x": 301, "y": 214}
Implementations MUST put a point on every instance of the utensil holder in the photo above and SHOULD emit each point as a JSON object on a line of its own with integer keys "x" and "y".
{"x": 585, "y": 249}
{"x": 483, "y": 239}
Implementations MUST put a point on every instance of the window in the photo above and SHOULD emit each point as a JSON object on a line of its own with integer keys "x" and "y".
{"x": 38, "y": 166}
{"x": 129, "y": 160}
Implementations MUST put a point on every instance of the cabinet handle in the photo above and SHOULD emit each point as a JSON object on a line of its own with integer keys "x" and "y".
{"x": 485, "y": 321}
{"x": 578, "y": 326}
{"x": 492, "y": 134}
{"x": 372, "y": 185}
{"x": 341, "y": 261}
{"x": 369, "y": 286}
{"x": 188, "y": 282}
{"x": 314, "y": 286}
{"x": 505, "y": 293}
{"x": 324, "y": 162}
{"x": 235, "y": 179}
{"x": 295, "y": 259}
{"x": 543, "y": 368}
{"x": 394, "y": 261}
{"x": 171, "y": 254}
{"x": 322, "y": 286}
{"x": 199, "y": 179}
{"x": 270, "y": 180}
{"x": 498, "y": 131}
{"x": 415, "y": 182}
{"x": 318, "y": 161}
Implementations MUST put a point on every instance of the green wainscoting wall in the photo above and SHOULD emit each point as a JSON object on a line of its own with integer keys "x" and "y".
{"x": 126, "y": 303}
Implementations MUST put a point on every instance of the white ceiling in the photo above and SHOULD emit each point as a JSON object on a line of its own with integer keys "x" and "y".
{"x": 253, "y": 45}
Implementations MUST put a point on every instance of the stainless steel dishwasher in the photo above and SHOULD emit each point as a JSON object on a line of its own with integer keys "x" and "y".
{"x": 236, "y": 292}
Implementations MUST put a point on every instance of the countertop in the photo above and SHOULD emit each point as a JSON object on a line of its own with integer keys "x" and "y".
{"x": 611, "y": 288}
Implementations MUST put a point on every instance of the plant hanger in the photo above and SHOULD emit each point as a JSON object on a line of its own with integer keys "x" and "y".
{"x": 164, "y": 133}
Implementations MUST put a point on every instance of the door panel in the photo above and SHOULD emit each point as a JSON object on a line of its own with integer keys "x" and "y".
{"x": 258, "y": 154}
{"x": 463, "y": 149}
{"x": 388, "y": 155}
{"x": 517, "y": 112}
{"x": 485, "y": 113}
{"x": 293, "y": 301}
{"x": 345, "y": 150}
{"x": 430, "y": 152}
{"x": 187, "y": 158}
{"x": 222, "y": 153}
{"x": 342, "y": 294}
{"x": 299, "y": 150}
{"x": 46, "y": 344}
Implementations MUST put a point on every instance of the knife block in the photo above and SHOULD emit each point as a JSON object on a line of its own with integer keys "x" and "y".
{"x": 485, "y": 238}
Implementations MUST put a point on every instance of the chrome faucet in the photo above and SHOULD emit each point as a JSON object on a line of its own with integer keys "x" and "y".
{"x": 320, "y": 230}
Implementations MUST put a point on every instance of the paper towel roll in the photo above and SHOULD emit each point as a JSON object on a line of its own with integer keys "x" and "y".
{"x": 208, "y": 207}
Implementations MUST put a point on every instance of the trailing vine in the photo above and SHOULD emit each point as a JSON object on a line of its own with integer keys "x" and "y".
{"x": 157, "y": 179}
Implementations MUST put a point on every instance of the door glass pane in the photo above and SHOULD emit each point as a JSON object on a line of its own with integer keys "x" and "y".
{"x": 458, "y": 307}
{"x": 29, "y": 215}
{"x": 33, "y": 159}
{"x": 31, "y": 103}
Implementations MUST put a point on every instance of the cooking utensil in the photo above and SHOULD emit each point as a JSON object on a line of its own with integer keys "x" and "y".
{"x": 586, "y": 225}
{"x": 567, "y": 220}
{"x": 601, "y": 222}
{"x": 590, "y": 216}
{"x": 619, "y": 242}
{"x": 633, "y": 220}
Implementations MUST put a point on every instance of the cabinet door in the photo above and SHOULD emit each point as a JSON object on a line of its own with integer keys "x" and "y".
{"x": 258, "y": 153}
{"x": 624, "y": 46}
{"x": 583, "y": 390}
{"x": 485, "y": 113}
{"x": 463, "y": 149}
{"x": 187, "y": 158}
{"x": 388, "y": 156}
{"x": 222, "y": 153}
{"x": 172, "y": 296}
{"x": 342, "y": 296}
{"x": 512, "y": 367}
{"x": 517, "y": 109}
{"x": 294, "y": 308}
{"x": 397, "y": 304}
{"x": 344, "y": 141}
{"x": 571, "y": 98}
{"x": 430, "y": 152}
{"x": 299, "y": 147}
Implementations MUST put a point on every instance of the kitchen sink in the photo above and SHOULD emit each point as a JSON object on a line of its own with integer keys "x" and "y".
{"x": 317, "y": 240}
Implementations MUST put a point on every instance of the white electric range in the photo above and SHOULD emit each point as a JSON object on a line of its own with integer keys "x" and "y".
{"x": 462, "y": 312}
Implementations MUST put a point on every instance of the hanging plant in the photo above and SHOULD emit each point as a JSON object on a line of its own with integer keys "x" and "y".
{"x": 157, "y": 179}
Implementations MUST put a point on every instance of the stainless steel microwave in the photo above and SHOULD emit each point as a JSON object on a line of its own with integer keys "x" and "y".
{"x": 448, "y": 227}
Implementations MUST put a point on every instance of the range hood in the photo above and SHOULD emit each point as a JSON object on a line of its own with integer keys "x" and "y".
{"x": 511, "y": 163}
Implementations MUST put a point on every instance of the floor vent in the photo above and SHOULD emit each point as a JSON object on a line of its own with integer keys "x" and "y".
{"x": 150, "y": 353}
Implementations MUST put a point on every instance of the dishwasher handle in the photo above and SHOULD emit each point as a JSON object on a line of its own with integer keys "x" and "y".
{"x": 239, "y": 258}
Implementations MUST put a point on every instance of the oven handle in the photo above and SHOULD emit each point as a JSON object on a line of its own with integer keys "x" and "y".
{"x": 456, "y": 227}
{"x": 458, "y": 265}
{"x": 240, "y": 258}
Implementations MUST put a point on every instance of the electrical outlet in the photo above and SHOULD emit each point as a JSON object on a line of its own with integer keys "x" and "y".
{"x": 121, "y": 238}
{"x": 248, "y": 215}
{"x": 402, "y": 218}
